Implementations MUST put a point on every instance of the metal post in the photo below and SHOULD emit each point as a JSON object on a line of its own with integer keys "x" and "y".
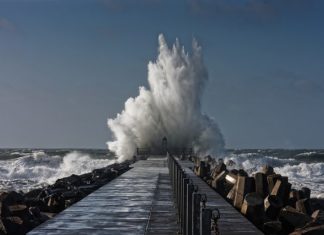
{"x": 184, "y": 205}
{"x": 196, "y": 197}
{"x": 205, "y": 221}
{"x": 190, "y": 190}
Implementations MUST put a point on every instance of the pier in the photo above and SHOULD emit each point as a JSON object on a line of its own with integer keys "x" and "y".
{"x": 160, "y": 195}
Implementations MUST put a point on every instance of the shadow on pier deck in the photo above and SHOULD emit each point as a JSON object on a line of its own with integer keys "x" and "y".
{"x": 140, "y": 202}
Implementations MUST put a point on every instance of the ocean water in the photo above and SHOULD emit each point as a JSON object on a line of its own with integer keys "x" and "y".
{"x": 26, "y": 169}
{"x": 304, "y": 167}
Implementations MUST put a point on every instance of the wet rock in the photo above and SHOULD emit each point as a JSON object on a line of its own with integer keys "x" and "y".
{"x": 304, "y": 206}
{"x": 253, "y": 208}
{"x": 218, "y": 169}
{"x": 242, "y": 172}
{"x": 55, "y": 204}
{"x": 244, "y": 186}
{"x": 318, "y": 217}
{"x": 231, "y": 178}
{"x": 281, "y": 189}
{"x": 293, "y": 197}
{"x": 272, "y": 227}
{"x": 218, "y": 182}
{"x": 306, "y": 191}
{"x": 261, "y": 184}
{"x": 33, "y": 193}
{"x": 2, "y": 228}
{"x": 202, "y": 169}
{"x": 314, "y": 230}
{"x": 14, "y": 225}
{"x": 74, "y": 180}
{"x": 267, "y": 170}
{"x": 272, "y": 179}
{"x": 231, "y": 195}
{"x": 292, "y": 219}
{"x": 272, "y": 206}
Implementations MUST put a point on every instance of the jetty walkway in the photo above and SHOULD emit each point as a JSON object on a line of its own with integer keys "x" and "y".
{"x": 141, "y": 201}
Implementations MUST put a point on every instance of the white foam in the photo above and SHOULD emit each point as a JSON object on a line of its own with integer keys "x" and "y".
{"x": 300, "y": 174}
{"x": 169, "y": 107}
{"x": 38, "y": 169}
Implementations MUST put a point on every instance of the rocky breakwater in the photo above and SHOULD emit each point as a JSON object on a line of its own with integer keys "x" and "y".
{"x": 267, "y": 199}
{"x": 21, "y": 212}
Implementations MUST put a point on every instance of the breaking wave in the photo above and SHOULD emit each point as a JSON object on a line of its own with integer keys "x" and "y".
{"x": 300, "y": 174}
{"x": 38, "y": 169}
{"x": 170, "y": 107}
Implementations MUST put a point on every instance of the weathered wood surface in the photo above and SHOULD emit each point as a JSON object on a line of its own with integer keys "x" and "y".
{"x": 231, "y": 221}
{"x": 138, "y": 202}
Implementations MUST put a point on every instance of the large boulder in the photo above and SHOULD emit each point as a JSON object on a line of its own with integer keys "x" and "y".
{"x": 313, "y": 230}
{"x": 253, "y": 208}
{"x": 292, "y": 219}
{"x": 272, "y": 206}
{"x": 244, "y": 186}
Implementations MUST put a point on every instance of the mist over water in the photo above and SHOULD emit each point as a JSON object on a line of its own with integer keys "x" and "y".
{"x": 170, "y": 107}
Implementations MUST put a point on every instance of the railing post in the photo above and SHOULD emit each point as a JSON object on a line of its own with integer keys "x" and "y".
{"x": 205, "y": 221}
{"x": 184, "y": 204}
{"x": 196, "y": 198}
{"x": 190, "y": 190}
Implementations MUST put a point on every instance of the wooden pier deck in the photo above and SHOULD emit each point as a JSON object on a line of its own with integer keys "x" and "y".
{"x": 140, "y": 202}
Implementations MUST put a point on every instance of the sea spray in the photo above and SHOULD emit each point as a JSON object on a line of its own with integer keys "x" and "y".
{"x": 38, "y": 169}
{"x": 170, "y": 107}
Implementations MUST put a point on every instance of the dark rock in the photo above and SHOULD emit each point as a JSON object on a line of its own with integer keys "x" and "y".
{"x": 318, "y": 217}
{"x": 272, "y": 206}
{"x": 55, "y": 204}
{"x": 244, "y": 186}
{"x": 267, "y": 170}
{"x": 272, "y": 179}
{"x": 281, "y": 189}
{"x": 3, "y": 229}
{"x": 272, "y": 227}
{"x": 306, "y": 191}
{"x": 33, "y": 193}
{"x": 234, "y": 171}
{"x": 231, "y": 195}
{"x": 314, "y": 230}
{"x": 218, "y": 182}
{"x": 253, "y": 208}
{"x": 74, "y": 180}
{"x": 14, "y": 225}
{"x": 292, "y": 219}
{"x": 218, "y": 169}
{"x": 242, "y": 172}
{"x": 304, "y": 206}
{"x": 261, "y": 184}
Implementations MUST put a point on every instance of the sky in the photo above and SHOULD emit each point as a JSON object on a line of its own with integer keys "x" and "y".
{"x": 68, "y": 65}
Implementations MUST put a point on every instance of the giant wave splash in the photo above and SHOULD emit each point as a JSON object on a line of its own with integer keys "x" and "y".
{"x": 170, "y": 107}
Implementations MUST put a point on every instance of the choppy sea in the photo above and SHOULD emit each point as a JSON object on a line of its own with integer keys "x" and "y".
{"x": 26, "y": 169}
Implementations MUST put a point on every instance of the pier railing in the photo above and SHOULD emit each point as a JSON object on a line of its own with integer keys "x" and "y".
{"x": 194, "y": 216}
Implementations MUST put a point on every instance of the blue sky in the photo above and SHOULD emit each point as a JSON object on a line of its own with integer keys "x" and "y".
{"x": 67, "y": 65}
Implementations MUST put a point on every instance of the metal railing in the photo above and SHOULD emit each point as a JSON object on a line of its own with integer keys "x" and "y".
{"x": 192, "y": 214}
